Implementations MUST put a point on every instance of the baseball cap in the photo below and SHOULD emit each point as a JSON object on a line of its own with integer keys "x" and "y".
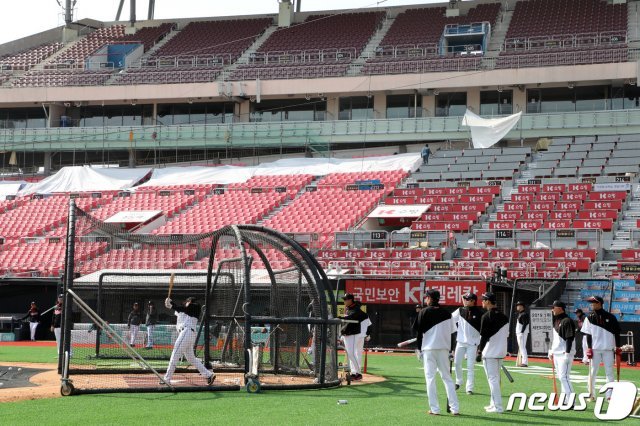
{"x": 578, "y": 311}
{"x": 469, "y": 296}
{"x": 150, "y": 302}
{"x": 520, "y": 303}
{"x": 191, "y": 299}
{"x": 595, "y": 299}
{"x": 433, "y": 293}
{"x": 559, "y": 304}
{"x": 348, "y": 296}
{"x": 489, "y": 296}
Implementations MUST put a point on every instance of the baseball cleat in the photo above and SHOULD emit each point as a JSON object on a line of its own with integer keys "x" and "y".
{"x": 457, "y": 386}
{"x": 211, "y": 379}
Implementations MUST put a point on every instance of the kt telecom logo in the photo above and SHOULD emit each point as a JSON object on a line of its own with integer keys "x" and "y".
{"x": 624, "y": 401}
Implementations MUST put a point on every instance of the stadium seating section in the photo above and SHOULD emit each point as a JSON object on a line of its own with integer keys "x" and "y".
{"x": 412, "y": 43}
{"x": 557, "y": 32}
{"x": 24, "y": 61}
{"x": 321, "y": 46}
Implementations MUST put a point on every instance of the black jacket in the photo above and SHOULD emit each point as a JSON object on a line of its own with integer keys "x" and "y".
{"x": 523, "y": 322}
{"x": 193, "y": 310}
{"x": 33, "y": 315}
{"x": 135, "y": 318}
{"x": 566, "y": 329}
{"x": 607, "y": 321}
{"x": 492, "y": 321}
{"x": 472, "y": 315}
{"x": 152, "y": 316}
{"x": 57, "y": 316}
{"x": 429, "y": 317}
{"x": 353, "y": 313}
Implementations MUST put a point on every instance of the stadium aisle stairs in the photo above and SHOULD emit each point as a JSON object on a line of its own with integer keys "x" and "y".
{"x": 244, "y": 58}
{"x": 498, "y": 35}
{"x": 369, "y": 50}
{"x": 630, "y": 219}
{"x": 272, "y": 213}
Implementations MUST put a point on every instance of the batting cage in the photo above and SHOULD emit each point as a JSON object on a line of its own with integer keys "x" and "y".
{"x": 244, "y": 302}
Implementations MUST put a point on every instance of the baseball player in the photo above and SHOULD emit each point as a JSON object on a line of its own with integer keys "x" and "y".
{"x": 494, "y": 331}
{"x": 133, "y": 323}
{"x": 186, "y": 325}
{"x": 57, "y": 322}
{"x": 434, "y": 328}
{"x": 603, "y": 341}
{"x": 33, "y": 314}
{"x": 562, "y": 346}
{"x": 150, "y": 321}
{"x": 467, "y": 319}
{"x": 522, "y": 333}
{"x": 351, "y": 333}
{"x": 581, "y": 316}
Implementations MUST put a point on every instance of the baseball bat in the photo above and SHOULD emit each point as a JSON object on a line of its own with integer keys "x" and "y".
{"x": 450, "y": 368}
{"x": 173, "y": 276}
{"x": 555, "y": 385}
{"x": 506, "y": 373}
{"x": 364, "y": 370}
{"x": 618, "y": 362}
{"x": 407, "y": 342}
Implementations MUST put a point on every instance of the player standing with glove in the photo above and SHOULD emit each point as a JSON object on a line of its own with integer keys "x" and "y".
{"x": 603, "y": 341}
{"x": 468, "y": 320}
{"x": 434, "y": 328}
{"x": 562, "y": 347}
{"x": 186, "y": 325}
{"x": 133, "y": 323}
{"x": 494, "y": 331}
{"x": 352, "y": 332}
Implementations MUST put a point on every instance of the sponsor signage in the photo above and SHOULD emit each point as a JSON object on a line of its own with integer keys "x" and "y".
{"x": 411, "y": 292}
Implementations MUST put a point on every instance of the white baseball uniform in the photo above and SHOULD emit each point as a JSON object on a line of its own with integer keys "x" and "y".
{"x": 522, "y": 334}
{"x": 494, "y": 331}
{"x": 603, "y": 336}
{"x": 468, "y": 338}
{"x": 563, "y": 350}
{"x": 186, "y": 325}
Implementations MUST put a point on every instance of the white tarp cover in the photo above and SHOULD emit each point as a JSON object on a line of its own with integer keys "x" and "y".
{"x": 486, "y": 132}
{"x": 387, "y": 211}
{"x": 291, "y": 166}
{"x": 10, "y": 187}
{"x": 86, "y": 179}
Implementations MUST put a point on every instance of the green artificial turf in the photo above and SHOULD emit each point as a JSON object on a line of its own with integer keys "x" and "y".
{"x": 400, "y": 400}
{"x": 45, "y": 354}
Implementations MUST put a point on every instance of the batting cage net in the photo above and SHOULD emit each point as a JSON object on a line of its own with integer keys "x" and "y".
{"x": 265, "y": 313}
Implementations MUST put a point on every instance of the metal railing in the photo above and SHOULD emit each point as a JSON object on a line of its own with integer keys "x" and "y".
{"x": 294, "y": 134}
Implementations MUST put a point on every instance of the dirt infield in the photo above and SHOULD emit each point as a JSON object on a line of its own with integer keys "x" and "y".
{"x": 48, "y": 384}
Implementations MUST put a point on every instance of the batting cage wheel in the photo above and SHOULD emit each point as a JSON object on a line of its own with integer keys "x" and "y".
{"x": 253, "y": 385}
{"x": 260, "y": 293}
{"x": 66, "y": 389}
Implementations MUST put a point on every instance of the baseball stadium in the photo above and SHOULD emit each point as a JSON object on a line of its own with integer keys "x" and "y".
{"x": 375, "y": 214}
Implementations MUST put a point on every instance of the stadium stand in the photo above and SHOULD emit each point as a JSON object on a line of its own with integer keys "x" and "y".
{"x": 330, "y": 206}
{"x": 321, "y": 46}
{"x": 412, "y": 44}
{"x": 550, "y": 32}
{"x": 149, "y": 36}
{"x": 25, "y": 60}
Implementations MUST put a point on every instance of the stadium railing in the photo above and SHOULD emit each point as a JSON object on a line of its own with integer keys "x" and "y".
{"x": 290, "y": 133}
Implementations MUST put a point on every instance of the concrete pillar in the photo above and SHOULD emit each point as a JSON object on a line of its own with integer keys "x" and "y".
{"x": 244, "y": 111}
{"x": 47, "y": 163}
{"x": 333, "y": 108}
{"x": 55, "y": 112}
{"x": 69, "y": 35}
{"x": 132, "y": 158}
{"x": 380, "y": 106}
{"x": 428, "y": 106}
{"x": 519, "y": 100}
{"x": 285, "y": 15}
{"x": 473, "y": 99}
